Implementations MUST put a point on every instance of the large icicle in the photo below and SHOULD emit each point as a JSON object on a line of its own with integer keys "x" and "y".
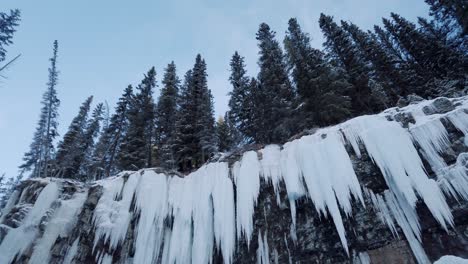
{"x": 19, "y": 239}
{"x": 112, "y": 216}
{"x": 263, "y": 252}
{"x": 247, "y": 175}
{"x": 391, "y": 148}
{"x": 151, "y": 202}
{"x": 180, "y": 203}
{"x": 202, "y": 213}
{"x": 271, "y": 167}
{"x": 60, "y": 225}
{"x": 329, "y": 176}
{"x": 224, "y": 209}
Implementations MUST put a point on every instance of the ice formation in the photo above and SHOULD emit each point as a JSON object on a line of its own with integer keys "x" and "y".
{"x": 185, "y": 219}
{"x": 451, "y": 260}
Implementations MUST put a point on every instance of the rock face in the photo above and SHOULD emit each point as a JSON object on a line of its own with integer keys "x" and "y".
{"x": 389, "y": 188}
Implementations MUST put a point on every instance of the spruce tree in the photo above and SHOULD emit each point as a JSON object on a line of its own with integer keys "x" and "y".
{"x": 195, "y": 127}
{"x": 344, "y": 53}
{"x": 8, "y": 24}
{"x": 136, "y": 148}
{"x": 279, "y": 95}
{"x": 384, "y": 70}
{"x": 166, "y": 118}
{"x": 69, "y": 153}
{"x": 320, "y": 90}
{"x": 87, "y": 146}
{"x": 239, "y": 94}
{"x": 108, "y": 145}
{"x": 430, "y": 58}
{"x": 38, "y": 158}
{"x": 227, "y": 133}
{"x": 450, "y": 11}
{"x": 224, "y": 138}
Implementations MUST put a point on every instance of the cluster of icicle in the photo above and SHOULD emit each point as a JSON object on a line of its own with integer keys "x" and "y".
{"x": 208, "y": 214}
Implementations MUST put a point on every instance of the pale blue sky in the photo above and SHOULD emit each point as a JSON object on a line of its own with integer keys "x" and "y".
{"x": 105, "y": 45}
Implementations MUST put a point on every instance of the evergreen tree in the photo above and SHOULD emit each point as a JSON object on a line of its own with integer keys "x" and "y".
{"x": 238, "y": 100}
{"x": 8, "y": 24}
{"x": 136, "y": 148}
{"x": 279, "y": 95}
{"x": 166, "y": 118}
{"x": 41, "y": 152}
{"x": 108, "y": 145}
{"x": 429, "y": 57}
{"x": 225, "y": 141}
{"x": 450, "y": 12}
{"x": 196, "y": 135}
{"x": 345, "y": 54}
{"x": 383, "y": 68}
{"x": 319, "y": 88}
{"x": 87, "y": 145}
{"x": 228, "y": 135}
{"x": 69, "y": 154}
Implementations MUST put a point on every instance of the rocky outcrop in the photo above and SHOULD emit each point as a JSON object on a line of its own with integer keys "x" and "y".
{"x": 220, "y": 213}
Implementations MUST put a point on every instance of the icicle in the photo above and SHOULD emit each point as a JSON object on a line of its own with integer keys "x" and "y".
{"x": 60, "y": 225}
{"x": 10, "y": 204}
{"x": 433, "y": 139}
{"x": 248, "y": 187}
{"x": 391, "y": 148}
{"x": 397, "y": 209}
{"x": 263, "y": 255}
{"x": 459, "y": 119}
{"x": 111, "y": 218}
{"x": 71, "y": 253}
{"x": 180, "y": 203}
{"x": 19, "y": 239}
{"x": 224, "y": 210}
{"x": 362, "y": 258}
{"x": 151, "y": 201}
{"x": 292, "y": 176}
{"x": 202, "y": 215}
{"x": 271, "y": 168}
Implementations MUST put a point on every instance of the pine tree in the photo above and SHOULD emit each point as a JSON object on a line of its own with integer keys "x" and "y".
{"x": 320, "y": 90}
{"x": 224, "y": 138}
{"x": 41, "y": 152}
{"x": 450, "y": 11}
{"x": 228, "y": 135}
{"x": 87, "y": 145}
{"x": 195, "y": 127}
{"x": 384, "y": 70}
{"x": 136, "y": 148}
{"x": 238, "y": 100}
{"x": 69, "y": 154}
{"x": 279, "y": 95}
{"x": 430, "y": 58}
{"x": 8, "y": 25}
{"x": 344, "y": 53}
{"x": 166, "y": 118}
{"x": 108, "y": 145}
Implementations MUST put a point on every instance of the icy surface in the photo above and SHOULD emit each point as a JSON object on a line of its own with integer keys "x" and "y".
{"x": 19, "y": 239}
{"x": 247, "y": 175}
{"x": 451, "y": 260}
{"x": 60, "y": 225}
{"x": 263, "y": 255}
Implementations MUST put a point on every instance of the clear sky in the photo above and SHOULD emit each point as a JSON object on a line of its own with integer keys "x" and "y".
{"x": 105, "y": 45}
